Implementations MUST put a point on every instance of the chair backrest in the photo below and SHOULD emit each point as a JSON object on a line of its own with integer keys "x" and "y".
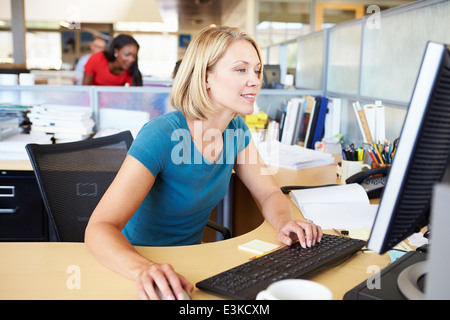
{"x": 73, "y": 177}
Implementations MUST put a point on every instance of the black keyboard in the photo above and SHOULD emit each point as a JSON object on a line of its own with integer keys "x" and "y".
{"x": 247, "y": 280}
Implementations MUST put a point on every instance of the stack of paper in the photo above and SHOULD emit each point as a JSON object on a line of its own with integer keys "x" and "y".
{"x": 66, "y": 123}
{"x": 337, "y": 207}
{"x": 13, "y": 119}
{"x": 275, "y": 153}
{"x": 13, "y": 148}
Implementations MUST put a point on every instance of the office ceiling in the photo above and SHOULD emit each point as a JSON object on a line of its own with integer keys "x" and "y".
{"x": 192, "y": 14}
{"x": 98, "y": 11}
{"x": 188, "y": 14}
{"x": 196, "y": 14}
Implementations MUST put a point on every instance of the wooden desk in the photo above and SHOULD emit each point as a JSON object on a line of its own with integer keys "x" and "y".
{"x": 46, "y": 270}
{"x": 24, "y": 165}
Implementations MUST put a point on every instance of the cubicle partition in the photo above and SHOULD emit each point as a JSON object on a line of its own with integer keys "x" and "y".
{"x": 114, "y": 108}
{"x": 373, "y": 58}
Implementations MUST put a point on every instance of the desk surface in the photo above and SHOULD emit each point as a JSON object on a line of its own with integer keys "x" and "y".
{"x": 50, "y": 270}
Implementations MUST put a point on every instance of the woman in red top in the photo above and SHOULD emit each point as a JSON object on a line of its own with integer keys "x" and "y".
{"x": 116, "y": 67}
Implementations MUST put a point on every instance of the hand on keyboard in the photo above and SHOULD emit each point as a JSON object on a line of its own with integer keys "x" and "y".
{"x": 306, "y": 232}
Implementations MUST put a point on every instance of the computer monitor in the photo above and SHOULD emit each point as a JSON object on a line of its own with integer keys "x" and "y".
{"x": 272, "y": 76}
{"x": 422, "y": 157}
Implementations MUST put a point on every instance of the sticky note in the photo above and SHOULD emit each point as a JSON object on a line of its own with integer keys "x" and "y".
{"x": 258, "y": 246}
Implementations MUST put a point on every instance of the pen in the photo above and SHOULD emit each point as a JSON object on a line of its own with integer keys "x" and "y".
{"x": 360, "y": 154}
{"x": 262, "y": 254}
{"x": 372, "y": 156}
{"x": 389, "y": 154}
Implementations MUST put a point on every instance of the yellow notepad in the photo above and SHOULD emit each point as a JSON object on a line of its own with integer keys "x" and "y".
{"x": 258, "y": 246}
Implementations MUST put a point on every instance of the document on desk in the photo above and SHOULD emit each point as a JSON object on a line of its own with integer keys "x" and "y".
{"x": 336, "y": 207}
{"x": 294, "y": 157}
{"x": 13, "y": 148}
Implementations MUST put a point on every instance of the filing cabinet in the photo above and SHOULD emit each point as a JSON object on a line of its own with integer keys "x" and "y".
{"x": 22, "y": 213}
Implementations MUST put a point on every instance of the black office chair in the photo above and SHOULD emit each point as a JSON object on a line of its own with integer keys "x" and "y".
{"x": 73, "y": 177}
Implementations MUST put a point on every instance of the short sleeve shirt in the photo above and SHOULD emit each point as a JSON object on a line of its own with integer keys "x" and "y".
{"x": 97, "y": 66}
{"x": 187, "y": 186}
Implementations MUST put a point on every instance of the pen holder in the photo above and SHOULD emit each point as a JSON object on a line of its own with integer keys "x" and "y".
{"x": 347, "y": 168}
{"x": 376, "y": 165}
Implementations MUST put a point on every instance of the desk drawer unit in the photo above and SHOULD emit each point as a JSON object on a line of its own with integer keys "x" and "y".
{"x": 22, "y": 213}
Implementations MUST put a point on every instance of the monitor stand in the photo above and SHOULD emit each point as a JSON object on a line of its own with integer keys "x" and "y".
{"x": 411, "y": 280}
{"x": 388, "y": 287}
{"x": 405, "y": 277}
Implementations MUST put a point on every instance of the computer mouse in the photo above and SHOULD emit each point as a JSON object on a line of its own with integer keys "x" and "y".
{"x": 158, "y": 292}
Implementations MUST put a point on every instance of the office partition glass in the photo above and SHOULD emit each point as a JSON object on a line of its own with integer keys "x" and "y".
{"x": 6, "y": 49}
{"x": 292, "y": 48}
{"x": 272, "y": 101}
{"x": 311, "y": 61}
{"x": 344, "y": 48}
{"x": 130, "y": 108}
{"x": 114, "y": 108}
{"x": 51, "y": 95}
{"x": 274, "y": 57}
{"x": 393, "y": 52}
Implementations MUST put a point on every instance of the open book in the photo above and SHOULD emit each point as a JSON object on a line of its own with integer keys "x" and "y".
{"x": 336, "y": 207}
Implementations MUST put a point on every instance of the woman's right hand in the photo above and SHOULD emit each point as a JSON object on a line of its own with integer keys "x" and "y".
{"x": 162, "y": 276}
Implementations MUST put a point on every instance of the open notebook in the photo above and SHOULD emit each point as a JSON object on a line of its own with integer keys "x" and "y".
{"x": 336, "y": 207}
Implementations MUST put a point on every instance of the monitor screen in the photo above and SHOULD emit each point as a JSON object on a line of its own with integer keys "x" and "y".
{"x": 422, "y": 156}
{"x": 272, "y": 76}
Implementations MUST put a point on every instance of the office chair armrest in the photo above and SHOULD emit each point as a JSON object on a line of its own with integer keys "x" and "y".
{"x": 223, "y": 230}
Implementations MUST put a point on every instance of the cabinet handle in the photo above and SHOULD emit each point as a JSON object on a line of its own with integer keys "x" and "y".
{"x": 7, "y": 191}
{"x": 9, "y": 211}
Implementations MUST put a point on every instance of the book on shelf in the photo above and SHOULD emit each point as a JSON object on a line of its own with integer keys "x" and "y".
{"x": 306, "y": 120}
{"x": 332, "y": 119}
{"x": 293, "y": 110}
{"x": 317, "y": 122}
{"x": 273, "y": 131}
{"x": 303, "y": 121}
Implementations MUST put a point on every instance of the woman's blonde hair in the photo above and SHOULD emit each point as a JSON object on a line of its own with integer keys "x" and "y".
{"x": 189, "y": 94}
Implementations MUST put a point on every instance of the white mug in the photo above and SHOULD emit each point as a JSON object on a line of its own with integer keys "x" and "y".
{"x": 295, "y": 289}
{"x": 348, "y": 168}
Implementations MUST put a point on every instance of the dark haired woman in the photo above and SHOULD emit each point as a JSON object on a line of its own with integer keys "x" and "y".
{"x": 117, "y": 66}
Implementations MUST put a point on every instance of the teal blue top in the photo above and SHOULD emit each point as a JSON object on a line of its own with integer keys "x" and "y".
{"x": 187, "y": 186}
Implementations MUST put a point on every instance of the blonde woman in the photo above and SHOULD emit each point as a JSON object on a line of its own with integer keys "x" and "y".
{"x": 180, "y": 165}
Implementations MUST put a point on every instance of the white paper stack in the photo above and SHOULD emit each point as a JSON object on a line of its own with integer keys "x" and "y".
{"x": 294, "y": 157}
{"x": 13, "y": 148}
{"x": 65, "y": 122}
